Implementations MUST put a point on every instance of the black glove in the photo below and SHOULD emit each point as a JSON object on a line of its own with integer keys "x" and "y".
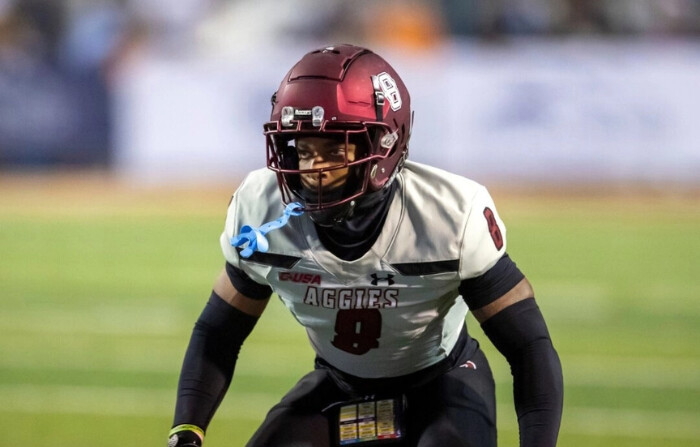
{"x": 185, "y": 438}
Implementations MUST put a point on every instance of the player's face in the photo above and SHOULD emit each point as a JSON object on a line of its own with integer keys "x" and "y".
{"x": 319, "y": 153}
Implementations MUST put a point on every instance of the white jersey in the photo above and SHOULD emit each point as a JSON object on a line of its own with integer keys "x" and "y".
{"x": 396, "y": 309}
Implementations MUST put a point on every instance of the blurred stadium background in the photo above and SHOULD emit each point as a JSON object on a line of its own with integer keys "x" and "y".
{"x": 126, "y": 124}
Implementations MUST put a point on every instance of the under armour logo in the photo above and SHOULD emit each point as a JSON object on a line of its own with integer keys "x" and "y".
{"x": 376, "y": 279}
{"x": 468, "y": 365}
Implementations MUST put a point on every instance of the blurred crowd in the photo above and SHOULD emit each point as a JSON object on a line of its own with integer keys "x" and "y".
{"x": 58, "y": 58}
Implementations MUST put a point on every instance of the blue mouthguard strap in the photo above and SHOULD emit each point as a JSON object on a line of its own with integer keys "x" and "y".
{"x": 255, "y": 237}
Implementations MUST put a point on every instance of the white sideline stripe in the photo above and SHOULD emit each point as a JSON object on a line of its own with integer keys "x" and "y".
{"x": 44, "y": 399}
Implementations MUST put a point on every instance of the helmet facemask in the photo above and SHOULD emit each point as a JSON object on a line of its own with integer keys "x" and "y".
{"x": 343, "y": 174}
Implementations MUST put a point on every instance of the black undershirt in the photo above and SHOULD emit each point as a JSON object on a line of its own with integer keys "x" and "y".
{"x": 355, "y": 235}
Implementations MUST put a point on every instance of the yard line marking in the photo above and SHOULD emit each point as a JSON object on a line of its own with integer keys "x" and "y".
{"x": 628, "y": 423}
{"x": 256, "y": 359}
{"x": 118, "y": 401}
{"x": 105, "y": 319}
{"x": 108, "y": 320}
{"x": 124, "y": 401}
{"x": 607, "y": 372}
{"x": 632, "y": 372}
{"x": 631, "y": 423}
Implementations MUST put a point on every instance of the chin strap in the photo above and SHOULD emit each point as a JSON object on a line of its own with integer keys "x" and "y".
{"x": 255, "y": 237}
{"x": 331, "y": 217}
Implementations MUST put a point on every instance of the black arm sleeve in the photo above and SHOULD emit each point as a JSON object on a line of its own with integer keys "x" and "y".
{"x": 244, "y": 284}
{"x": 496, "y": 282}
{"x": 520, "y": 334}
{"x": 210, "y": 360}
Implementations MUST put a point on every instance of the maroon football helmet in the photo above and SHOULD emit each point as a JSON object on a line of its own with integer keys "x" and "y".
{"x": 347, "y": 94}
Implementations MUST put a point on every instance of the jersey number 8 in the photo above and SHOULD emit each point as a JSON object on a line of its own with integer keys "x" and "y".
{"x": 357, "y": 330}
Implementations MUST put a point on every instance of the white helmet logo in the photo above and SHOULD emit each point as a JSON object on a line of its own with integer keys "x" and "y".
{"x": 390, "y": 89}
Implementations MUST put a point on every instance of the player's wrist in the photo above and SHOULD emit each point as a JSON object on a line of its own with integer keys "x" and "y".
{"x": 185, "y": 435}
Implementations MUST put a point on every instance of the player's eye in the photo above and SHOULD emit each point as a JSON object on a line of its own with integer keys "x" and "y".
{"x": 304, "y": 154}
{"x": 338, "y": 152}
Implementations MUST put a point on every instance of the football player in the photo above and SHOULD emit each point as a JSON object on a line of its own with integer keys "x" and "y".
{"x": 379, "y": 258}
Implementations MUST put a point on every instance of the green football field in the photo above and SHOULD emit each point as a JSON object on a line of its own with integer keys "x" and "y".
{"x": 101, "y": 284}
